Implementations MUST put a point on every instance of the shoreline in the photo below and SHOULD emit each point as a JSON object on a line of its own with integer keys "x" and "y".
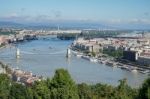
{"x": 89, "y": 60}
{"x": 108, "y": 61}
{"x": 18, "y": 75}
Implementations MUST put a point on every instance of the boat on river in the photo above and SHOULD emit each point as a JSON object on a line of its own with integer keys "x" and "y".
{"x": 93, "y": 59}
{"x": 133, "y": 69}
{"x": 79, "y": 55}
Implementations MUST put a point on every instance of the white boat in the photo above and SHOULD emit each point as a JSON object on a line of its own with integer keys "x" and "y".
{"x": 79, "y": 55}
{"x": 93, "y": 60}
{"x": 134, "y": 70}
{"x": 103, "y": 62}
{"x": 114, "y": 64}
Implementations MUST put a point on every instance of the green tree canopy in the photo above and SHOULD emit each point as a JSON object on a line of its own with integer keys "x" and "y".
{"x": 41, "y": 90}
{"x": 144, "y": 91}
{"x": 5, "y": 83}
{"x": 19, "y": 91}
{"x": 62, "y": 86}
{"x": 124, "y": 91}
{"x": 84, "y": 91}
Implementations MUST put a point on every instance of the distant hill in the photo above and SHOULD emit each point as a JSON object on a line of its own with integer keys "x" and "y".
{"x": 6, "y": 24}
{"x": 54, "y": 25}
{"x": 72, "y": 25}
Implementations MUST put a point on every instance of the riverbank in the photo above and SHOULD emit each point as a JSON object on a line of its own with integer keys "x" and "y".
{"x": 110, "y": 61}
{"x": 2, "y": 46}
{"x": 18, "y": 75}
{"x": 43, "y": 57}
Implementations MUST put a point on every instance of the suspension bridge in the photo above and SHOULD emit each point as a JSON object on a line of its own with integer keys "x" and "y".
{"x": 34, "y": 53}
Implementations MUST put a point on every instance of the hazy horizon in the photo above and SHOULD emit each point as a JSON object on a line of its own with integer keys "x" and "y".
{"x": 113, "y": 13}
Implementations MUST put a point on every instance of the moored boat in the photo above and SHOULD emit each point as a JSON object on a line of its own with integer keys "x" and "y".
{"x": 93, "y": 60}
{"x": 79, "y": 55}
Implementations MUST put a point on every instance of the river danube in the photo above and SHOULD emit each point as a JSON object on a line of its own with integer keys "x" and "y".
{"x": 47, "y": 54}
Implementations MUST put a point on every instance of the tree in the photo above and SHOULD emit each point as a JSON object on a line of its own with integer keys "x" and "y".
{"x": 93, "y": 54}
{"x": 84, "y": 91}
{"x": 124, "y": 91}
{"x": 62, "y": 86}
{"x": 41, "y": 90}
{"x": 4, "y": 86}
{"x": 102, "y": 91}
{"x": 19, "y": 91}
{"x": 144, "y": 91}
{"x": 114, "y": 53}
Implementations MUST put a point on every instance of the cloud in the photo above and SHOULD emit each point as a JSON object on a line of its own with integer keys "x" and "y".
{"x": 23, "y": 18}
{"x": 57, "y": 13}
{"x": 116, "y": 21}
{"x": 146, "y": 14}
{"x": 23, "y": 9}
{"x": 140, "y": 21}
{"x": 12, "y": 15}
{"x": 42, "y": 18}
{"x": 128, "y": 21}
{"x": 56, "y": 16}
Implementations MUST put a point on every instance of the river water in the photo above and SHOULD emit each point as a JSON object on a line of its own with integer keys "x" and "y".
{"x": 44, "y": 56}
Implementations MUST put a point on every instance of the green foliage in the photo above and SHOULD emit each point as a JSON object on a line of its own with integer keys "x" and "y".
{"x": 4, "y": 86}
{"x": 84, "y": 91}
{"x": 97, "y": 34}
{"x": 67, "y": 36}
{"x": 101, "y": 91}
{"x": 19, "y": 91}
{"x": 7, "y": 33}
{"x": 144, "y": 91}
{"x": 113, "y": 53}
{"x": 41, "y": 90}
{"x": 2, "y": 45}
{"x": 93, "y": 54}
{"x": 63, "y": 87}
{"x": 124, "y": 91}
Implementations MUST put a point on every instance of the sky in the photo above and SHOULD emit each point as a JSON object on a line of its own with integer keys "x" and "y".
{"x": 105, "y": 11}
